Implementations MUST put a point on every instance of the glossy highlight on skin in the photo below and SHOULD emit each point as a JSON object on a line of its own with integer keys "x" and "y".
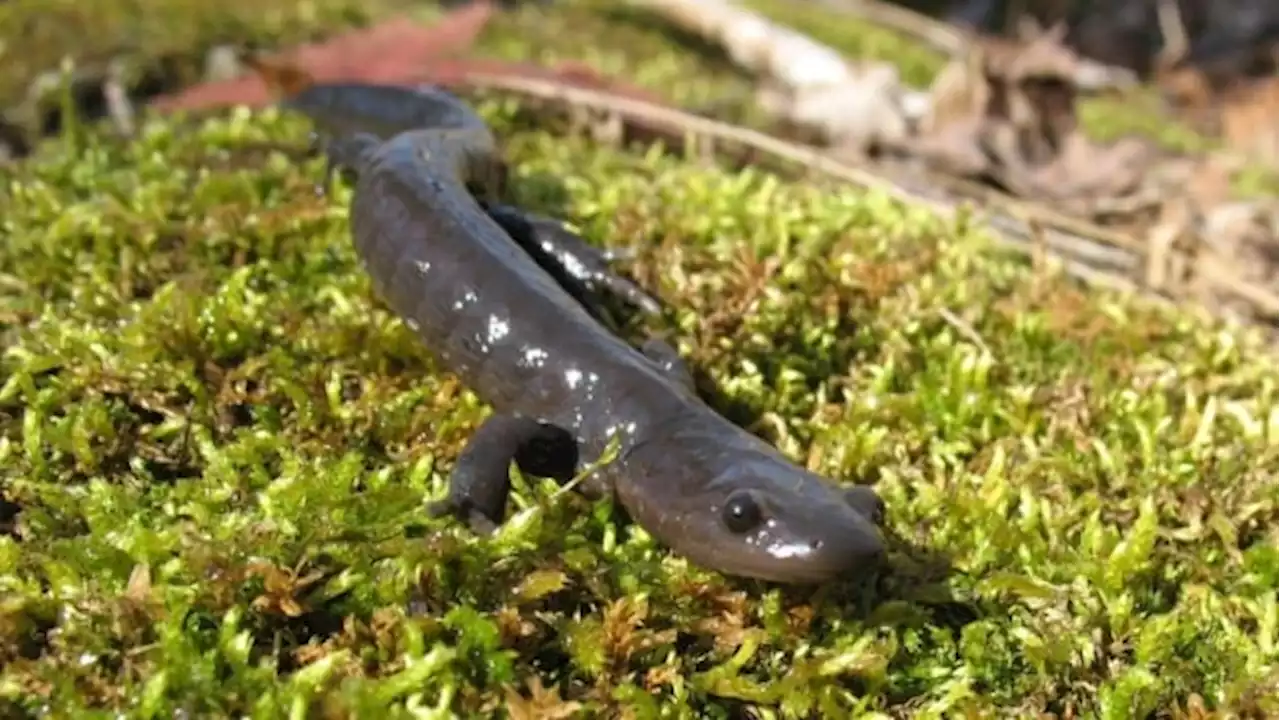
{"x": 487, "y": 291}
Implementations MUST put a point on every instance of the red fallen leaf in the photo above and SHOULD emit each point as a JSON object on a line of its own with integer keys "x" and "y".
{"x": 387, "y": 52}
{"x": 247, "y": 90}
{"x": 398, "y": 51}
{"x": 281, "y": 78}
{"x": 395, "y": 47}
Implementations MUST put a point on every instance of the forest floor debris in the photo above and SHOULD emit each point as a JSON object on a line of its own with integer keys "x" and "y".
{"x": 215, "y": 443}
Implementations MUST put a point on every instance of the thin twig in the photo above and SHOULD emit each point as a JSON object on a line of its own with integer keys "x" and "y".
{"x": 676, "y": 123}
{"x": 965, "y": 329}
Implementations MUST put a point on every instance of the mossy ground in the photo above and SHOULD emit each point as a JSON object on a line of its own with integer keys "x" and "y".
{"x": 221, "y": 443}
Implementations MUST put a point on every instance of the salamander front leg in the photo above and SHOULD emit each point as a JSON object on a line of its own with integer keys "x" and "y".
{"x": 573, "y": 261}
{"x": 481, "y": 482}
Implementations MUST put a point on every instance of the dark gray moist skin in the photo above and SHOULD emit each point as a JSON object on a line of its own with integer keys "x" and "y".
{"x": 487, "y": 288}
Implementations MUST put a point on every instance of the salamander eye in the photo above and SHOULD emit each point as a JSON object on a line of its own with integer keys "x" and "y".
{"x": 741, "y": 513}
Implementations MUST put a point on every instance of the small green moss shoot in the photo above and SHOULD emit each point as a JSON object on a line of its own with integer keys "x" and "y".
{"x": 222, "y": 442}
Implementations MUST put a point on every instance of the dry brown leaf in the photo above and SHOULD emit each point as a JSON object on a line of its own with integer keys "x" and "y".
{"x": 1251, "y": 121}
{"x": 542, "y": 704}
{"x": 139, "y": 587}
{"x": 1006, "y": 113}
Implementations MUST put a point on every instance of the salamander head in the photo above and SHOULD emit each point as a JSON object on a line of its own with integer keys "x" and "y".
{"x": 381, "y": 110}
{"x": 771, "y": 520}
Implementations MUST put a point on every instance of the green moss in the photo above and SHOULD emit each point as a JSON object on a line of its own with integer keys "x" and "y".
{"x": 629, "y": 44}
{"x": 200, "y": 382}
{"x": 1257, "y": 181}
{"x": 1107, "y": 118}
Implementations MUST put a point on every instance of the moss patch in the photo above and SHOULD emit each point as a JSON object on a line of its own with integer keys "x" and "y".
{"x": 221, "y": 443}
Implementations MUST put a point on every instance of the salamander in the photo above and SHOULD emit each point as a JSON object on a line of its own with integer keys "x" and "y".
{"x": 483, "y": 285}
